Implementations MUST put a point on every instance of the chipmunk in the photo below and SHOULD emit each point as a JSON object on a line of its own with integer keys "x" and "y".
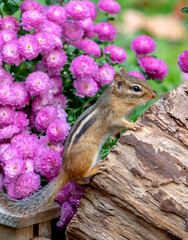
{"x": 86, "y": 138}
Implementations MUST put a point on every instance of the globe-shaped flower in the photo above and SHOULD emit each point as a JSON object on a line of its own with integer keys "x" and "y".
{"x": 28, "y": 47}
{"x": 9, "y": 35}
{"x": 52, "y": 27}
{"x": 83, "y": 66}
{"x": 88, "y": 27}
{"x": 137, "y": 74}
{"x": 45, "y": 40}
{"x": 11, "y": 53}
{"x": 10, "y": 23}
{"x": 41, "y": 101}
{"x": 117, "y": 54}
{"x": 32, "y": 19}
{"x": 27, "y": 184}
{"x": 58, "y": 131}
{"x": 92, "y": 9}
{"x": 6, "y": 115}
{"x": 143, "y": 45}
{"x": 57, "y": 87}
{"x": 20, "y": 96}
{"x": 109, "y": 6}
{"x": 86, "y": 86}
{"x": 37, "y": 83}
{"x": 14, "y": 167}
{"x": 154, "y": 68}
{"x": 77, "y": 10}
{"x": 183, "y": 61}
{"x": 91, "y": 47}
{"x": 106, "y": 74}
{"x": 50, "y": 164}
{"x": 31, "y": 5}
{"x": 55, "y": 59}
{"x": 71, "y": 31}
{"x": 6, "y": 78}
{"x": 105, "y": 32}
{"x": 44, "y": 117}
{"x": 56, "y": 13}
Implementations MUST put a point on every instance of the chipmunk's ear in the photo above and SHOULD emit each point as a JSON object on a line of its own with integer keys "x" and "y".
{"x": 118, "y": 80}
{"x": 123, "y": 71}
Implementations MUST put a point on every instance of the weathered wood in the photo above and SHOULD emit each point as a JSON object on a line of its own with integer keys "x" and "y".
{"x": 143, "y": 193}
{"x": 50, "y": 212}
{"x": 8, "y": 233}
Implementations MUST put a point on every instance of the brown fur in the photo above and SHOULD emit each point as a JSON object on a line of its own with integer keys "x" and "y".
{"x": 82, "y": 147}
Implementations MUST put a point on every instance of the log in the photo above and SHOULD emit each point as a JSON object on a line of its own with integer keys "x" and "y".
{"x": 143, "y": 192}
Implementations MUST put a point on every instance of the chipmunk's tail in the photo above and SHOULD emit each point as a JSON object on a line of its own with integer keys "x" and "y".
{"x": 36, "y": 202}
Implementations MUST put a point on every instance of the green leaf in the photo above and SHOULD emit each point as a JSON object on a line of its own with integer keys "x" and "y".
{"x": 71, "y": 48}
{"x": 184, "y": 10}
{"x": 111, "y": 19}
{"x": 10, "y": 7}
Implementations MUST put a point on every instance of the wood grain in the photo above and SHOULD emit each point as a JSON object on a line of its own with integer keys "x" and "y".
{"x": 143, "y": 193}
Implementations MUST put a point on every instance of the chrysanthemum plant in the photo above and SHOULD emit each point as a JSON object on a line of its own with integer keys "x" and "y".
{"x": 55, "y": 61}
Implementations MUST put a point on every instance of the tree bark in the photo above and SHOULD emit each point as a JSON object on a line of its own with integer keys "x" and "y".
{"x": 143, "y": 193}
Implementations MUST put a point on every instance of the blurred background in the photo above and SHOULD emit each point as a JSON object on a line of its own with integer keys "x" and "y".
{"x": 163, "y": 21}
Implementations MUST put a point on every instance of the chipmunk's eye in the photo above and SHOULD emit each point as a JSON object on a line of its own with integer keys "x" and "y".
{"x": 136, "y": 88}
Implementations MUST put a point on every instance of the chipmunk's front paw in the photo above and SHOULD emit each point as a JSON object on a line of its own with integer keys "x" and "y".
{"x": 138, "y": 126}
{"x": 101, "y": 166}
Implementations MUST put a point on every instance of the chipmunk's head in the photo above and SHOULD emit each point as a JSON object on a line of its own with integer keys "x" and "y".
{"x": 132, "y": 89}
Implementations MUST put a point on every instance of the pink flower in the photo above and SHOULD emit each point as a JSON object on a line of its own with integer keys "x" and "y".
{"x": 29, "y": 165}
{"x": 27, "y": 184}
{"x": 10, "y": 187}
{"x": 45, "y": 40}
{"x": 51, "y": 72}
{"x": 71, "y": 31}
{"x": 8, "y": 131}
{"x": 85, "y": 86}
{"x": 52, "y": 27}
{"x": 9, "y": 35}
{"x": 20, "y": 120}
{"x": 44, "y": 117}
{"x": 106, "y": 32}
{"x": 55, "y": 59}
{"x": 88, "y": 27}
{"x": 92, "y": 9}
{"x": 41, "y": 101}
{"x": 6, "y": 78}
{"x": 37, "y": 83}
{"x": 143, "y": 45}
{"x": 117, "y": 54}
{"x": 32, "y": 19}
{"x": 154, "y": 68}
{"x": 2, "y": 41}
{"x": 83, "y": 66}
{"x": 61, "y": 113}
{"x": 59, "y": 100}
{"x": 9, "y": 152}
{"x": 1, "y": 60}
{"x": 30, "y": 5}
{"x": 109, "y": 6}
{"x": 10, "y": 23}
{"x": 6, "y": 115}
{"x": 57, "y": 42}
{"x": 5, "y": 95}
{"x": 57, "y": 87}
{"x": 137, "y": 74}
{"x": 68, "y": 209}
{"x": 77, "y": 10}
{"x": 29, "y": 47}
{"x": 106, "y": 74}
{"x": 183, "y": 61}
{"x": 26, "y": 144}
{"x": 56, "y": 13}
{"x": 91, "y": 47}
{"x": 14, "y": 167}
{"x": 58, "y": 130}
{"x": 11, "y": 53}
{"x": 50, "y": 164}
{"x": 20, "y": 97}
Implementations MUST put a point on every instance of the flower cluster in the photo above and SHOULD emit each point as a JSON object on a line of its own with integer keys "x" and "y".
{"x": 153, "y": 67}
{"x": 33, "y": 120}
{"x": 183, "y": 61}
